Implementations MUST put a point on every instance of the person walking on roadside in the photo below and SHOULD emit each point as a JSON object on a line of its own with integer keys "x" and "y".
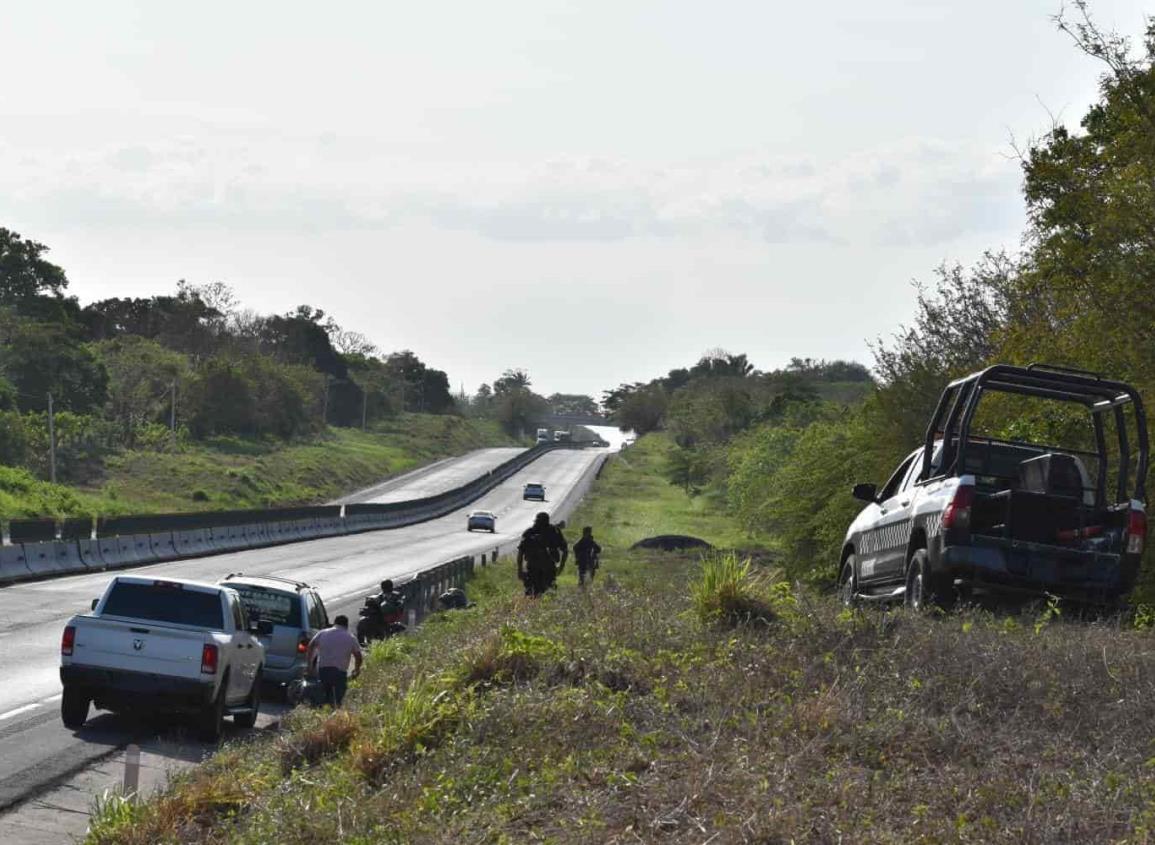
{"x": 331, "y": 649}
{"x": 586, "y": 552}
{"x": 541, "y": 555}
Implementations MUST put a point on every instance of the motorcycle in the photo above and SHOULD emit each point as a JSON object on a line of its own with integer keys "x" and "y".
{"x": 372, "y": 623}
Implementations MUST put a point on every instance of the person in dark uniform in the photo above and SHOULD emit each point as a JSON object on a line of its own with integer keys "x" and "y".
{"x": 586, "y": 552}
{"x": 541, "y": 555}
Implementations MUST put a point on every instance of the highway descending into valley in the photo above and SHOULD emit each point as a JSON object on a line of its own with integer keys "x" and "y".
{"x": 36, "y": 749}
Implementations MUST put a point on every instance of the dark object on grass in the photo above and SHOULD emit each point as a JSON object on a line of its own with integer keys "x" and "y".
{"x": 671, "y": 543}
{"x": 305, "y": 691}
{"x": 453, "y": 599}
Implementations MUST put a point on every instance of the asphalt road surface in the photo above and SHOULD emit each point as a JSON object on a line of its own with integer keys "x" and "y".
{"x": 433, "y": 479}
{"x": 36, "y": 749}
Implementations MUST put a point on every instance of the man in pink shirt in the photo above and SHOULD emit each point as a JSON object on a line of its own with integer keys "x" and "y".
{"x": 331, "y": 649}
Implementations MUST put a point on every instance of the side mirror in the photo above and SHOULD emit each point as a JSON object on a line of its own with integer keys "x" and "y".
{"x": 95, "y": 602}
{"x": 866, "y": 492}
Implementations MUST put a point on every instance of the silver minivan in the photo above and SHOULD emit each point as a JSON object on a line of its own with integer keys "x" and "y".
{"x": 296, "y": 613}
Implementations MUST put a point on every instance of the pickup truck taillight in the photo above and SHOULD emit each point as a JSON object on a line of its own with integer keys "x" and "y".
{"x": 209, "y": 657}
{"x": 68, "y": 640}
{"x": 957, "y": 513}
{"x": 1136, "y": 532}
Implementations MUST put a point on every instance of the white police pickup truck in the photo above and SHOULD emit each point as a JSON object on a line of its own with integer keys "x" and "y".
{"x": 979, "y": 509}
{"x": 170, "y": 645}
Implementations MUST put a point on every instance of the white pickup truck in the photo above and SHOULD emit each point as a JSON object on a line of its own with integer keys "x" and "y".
{"x": 163, "y": 645}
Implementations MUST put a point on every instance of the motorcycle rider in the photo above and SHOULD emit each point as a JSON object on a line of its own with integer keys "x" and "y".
{"x": 381, "y": 614}
{"x": 392, "y": 604}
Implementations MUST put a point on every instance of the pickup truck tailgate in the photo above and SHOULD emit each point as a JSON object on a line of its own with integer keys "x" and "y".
{"x": 139, "y": 647}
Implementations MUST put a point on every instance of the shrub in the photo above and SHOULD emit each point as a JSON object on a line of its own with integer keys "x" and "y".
{"x": 728, "y": 592}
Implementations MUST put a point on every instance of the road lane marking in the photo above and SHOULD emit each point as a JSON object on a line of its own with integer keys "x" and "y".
{"x": 19, "y": 710}
{"x": 52, "y": 698}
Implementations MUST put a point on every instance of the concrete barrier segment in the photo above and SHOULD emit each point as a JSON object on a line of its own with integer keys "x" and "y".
{"x": 13, "y": 564}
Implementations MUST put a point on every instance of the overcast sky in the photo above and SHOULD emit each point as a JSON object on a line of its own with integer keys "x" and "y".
{"x": 593, "y": 191}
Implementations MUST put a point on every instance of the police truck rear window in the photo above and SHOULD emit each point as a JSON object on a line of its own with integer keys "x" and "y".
{"x": 166, "y": 603}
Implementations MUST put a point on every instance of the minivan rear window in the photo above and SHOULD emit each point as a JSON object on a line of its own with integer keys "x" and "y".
{"x": 274, "y": 606}
{"x": 166, "y": 602}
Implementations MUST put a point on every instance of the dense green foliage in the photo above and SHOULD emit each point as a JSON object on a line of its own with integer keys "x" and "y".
{"x": 173, "y": 374}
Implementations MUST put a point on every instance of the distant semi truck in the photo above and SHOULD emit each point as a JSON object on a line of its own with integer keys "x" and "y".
{"x": 543, "y": 435}
{"x": 561, "y": 437}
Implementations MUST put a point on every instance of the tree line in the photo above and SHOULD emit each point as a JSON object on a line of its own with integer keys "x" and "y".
{"x": 193, "y": 365}
{"x": 1080, "y": 293}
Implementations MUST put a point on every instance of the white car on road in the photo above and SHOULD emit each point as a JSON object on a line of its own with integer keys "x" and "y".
{"x": 163, "y": 645}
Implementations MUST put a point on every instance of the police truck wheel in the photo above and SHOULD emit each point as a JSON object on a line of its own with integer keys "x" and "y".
{"x": 923, "y": 591}
{"x": 846, "y": 584}
{"x": 74, "y": 707}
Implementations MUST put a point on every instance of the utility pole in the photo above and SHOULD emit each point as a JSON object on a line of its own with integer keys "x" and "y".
{"x": 325, "y": 407}
{"x": 51, "y": 440}
{"x": 172, "y": 412}
{"x": 364, "y": 407}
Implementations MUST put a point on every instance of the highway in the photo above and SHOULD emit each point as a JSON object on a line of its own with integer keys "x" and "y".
{"x": 36, "y": 749}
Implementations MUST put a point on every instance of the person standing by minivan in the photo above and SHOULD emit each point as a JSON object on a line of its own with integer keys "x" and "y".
{"x": 331, "y": 649}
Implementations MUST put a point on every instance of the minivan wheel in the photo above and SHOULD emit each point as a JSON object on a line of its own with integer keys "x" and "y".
{"x": 846, "y": 586}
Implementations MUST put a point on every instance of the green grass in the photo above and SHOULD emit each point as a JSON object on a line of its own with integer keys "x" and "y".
{"x": 635, "y": 501}
{"x": 237, "y": 473}
{"x": 619, "y": 714}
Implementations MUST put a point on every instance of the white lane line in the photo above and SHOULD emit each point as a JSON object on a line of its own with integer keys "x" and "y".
{"x": 52, "y": 698}
{"x": 19, "y": 710}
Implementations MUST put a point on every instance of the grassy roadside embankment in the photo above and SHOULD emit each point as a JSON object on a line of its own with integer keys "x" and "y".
{"x": 641, "y": 710}
{"x": 235, "y": 473}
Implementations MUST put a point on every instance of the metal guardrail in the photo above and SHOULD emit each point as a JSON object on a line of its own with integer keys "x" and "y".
{"x": 34, "y": 549}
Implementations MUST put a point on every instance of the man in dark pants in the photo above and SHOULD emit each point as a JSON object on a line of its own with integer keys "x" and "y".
{"x": 541, "y": 555}
{"x": 586, "y": 552}
{"x": 331, "y": 649}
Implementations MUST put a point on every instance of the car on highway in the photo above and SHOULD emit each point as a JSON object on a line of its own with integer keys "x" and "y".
{"x": 976, "y": 511}
{"x": 295, "y": 612}
{"x": 481, "y": 521}
{"x": 533, "y": 490}
{"x": 167, "y": 645}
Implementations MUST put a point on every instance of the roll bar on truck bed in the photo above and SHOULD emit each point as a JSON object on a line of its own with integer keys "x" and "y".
{"x": 956, "y": 409}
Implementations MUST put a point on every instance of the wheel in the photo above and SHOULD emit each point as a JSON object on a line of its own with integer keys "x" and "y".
{"x": 211, "y": 722}
{"x": 847, "y": 583}
{"x": 923, "y": 592}
{"x": 74, "y": 707}
{"x": 248, "y": 718}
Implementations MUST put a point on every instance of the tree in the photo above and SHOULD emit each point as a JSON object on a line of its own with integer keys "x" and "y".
{"x": 43, "y": 358}
{"x": 183, "y": 322}
{"x": 422, "y": 388}
{"x": 577, "y": 404}
{"x": 352, "y": 343}
{"x": 141, "y": 377}
{"x": 512, "y": 380}
{"x": 24, "y": 272}
{"x": 642, "y": 410}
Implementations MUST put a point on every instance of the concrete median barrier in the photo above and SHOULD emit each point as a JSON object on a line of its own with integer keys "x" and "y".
{"x": 126, "y": 551}
{"x": 162, "y": 546}
{"x": 52, "y": 558}
{"x": 90, "y": 554}
{"x": 13, "y": 564}
{"x": 142, "y": 548}
{"x": 193, "y": 543}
